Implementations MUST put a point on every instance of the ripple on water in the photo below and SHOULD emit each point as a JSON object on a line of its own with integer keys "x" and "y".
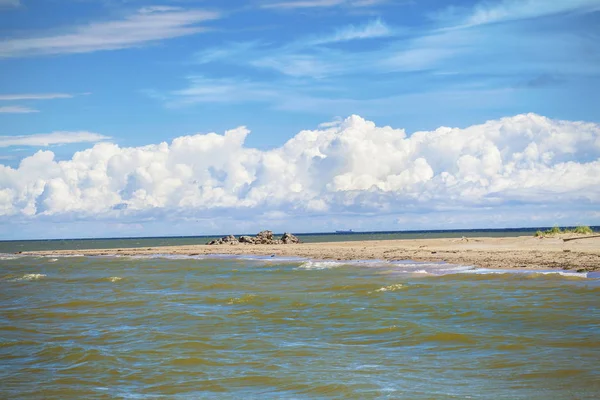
{"x": 26, "y": 277}
{"x": 231, "y": 328}
{"x": 390, "y": 288}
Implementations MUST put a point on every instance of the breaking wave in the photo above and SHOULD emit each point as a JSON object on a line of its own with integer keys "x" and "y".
{"x": 321, "y": 264}
{"x": 390, "y": 288}
{"x": 28, "y": 277}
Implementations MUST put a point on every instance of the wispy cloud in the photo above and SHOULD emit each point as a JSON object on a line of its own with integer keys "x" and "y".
{"x": 35, "y": 96}
{"x": 303, "y": 65}
{"x": 372, "y": 29}
{"x": 424, "y": 68}
{"x": 54, "y": 138}
{"x": 16, "y": 110}
{"x": 311, "y": 56}
{"x": 303, "y": 4}
{"x": 483, "y": 50}
{"x": 147, "y": 25}
{"x": 511, "y": 10}
{"x": 226, "y": 51}
{"x": 321, "y": 3}
{"x": 294, "y": 96}
{"x": 205, "y": 90}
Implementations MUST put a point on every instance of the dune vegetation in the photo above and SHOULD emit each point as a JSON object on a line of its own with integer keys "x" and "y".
{"x": 580, "y": 230}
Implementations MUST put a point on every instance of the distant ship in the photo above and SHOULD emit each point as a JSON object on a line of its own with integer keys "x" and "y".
{"x": 348, "y": 231}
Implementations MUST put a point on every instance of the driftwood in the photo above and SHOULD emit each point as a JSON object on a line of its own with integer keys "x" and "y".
{"x": 582, "y": 237}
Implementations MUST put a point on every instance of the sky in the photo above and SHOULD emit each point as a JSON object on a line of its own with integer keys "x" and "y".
{"x": 194, "y": 117}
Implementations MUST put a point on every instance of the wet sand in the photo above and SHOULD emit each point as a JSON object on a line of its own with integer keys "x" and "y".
{"x": 514, "y": 252}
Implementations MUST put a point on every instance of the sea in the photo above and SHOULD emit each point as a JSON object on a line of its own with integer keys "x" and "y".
{"x": 242, "y": 327}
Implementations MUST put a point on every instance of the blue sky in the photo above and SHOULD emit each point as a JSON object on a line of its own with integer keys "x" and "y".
{"x": 134, "y": 73}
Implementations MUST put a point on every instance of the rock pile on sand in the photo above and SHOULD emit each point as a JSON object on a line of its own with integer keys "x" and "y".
{"x": 264, "y": 237}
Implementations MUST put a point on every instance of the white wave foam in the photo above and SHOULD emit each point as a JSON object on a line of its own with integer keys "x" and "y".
{"x": 7, "y": 256}
{"x": 29, "y": 277}
{"x": 54, "y": 256}
{"x": 271, "y": 258}
{"x": 564, "y": 273}
{"x": 114, "y": 279}
{"x": 390, "y": 288}
{"x": 320, "y": 264}
{"x": 436, "y": 269}
{"x": 487, "y": 271}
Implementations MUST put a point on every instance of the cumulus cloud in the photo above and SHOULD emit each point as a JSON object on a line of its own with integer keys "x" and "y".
{"x": 353, "y": 166}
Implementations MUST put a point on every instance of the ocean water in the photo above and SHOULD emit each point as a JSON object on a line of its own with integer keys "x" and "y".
{"x": 256, "y": 328}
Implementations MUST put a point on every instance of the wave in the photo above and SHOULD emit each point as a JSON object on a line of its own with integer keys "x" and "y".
{"x": 391, "y": 288}
{"x": 8, "y": 256}
{"x": 321, "y": 265}
{"x": 431, "y": 269}
{"x": 531, "y": 272}
{"x": 27, "y": 277}
{"x": 408, "y": 267}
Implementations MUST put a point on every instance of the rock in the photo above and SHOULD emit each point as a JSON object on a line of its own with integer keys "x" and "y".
{"x": 246, "y": 239}
{"x": 230, "y": 239}
{"x": 224, "y": 240}
{"x": 264, "y": 235}
{"x": 288, "y": 238}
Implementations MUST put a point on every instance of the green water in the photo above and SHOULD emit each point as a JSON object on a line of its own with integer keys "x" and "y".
{"x": 123, "y": 328}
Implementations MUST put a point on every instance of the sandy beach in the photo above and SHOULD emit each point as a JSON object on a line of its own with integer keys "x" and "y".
{"x": 485, "y": 252}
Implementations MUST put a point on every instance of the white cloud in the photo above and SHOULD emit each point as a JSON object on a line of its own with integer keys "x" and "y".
{"x": 509, "y": 10}
{"x": 146, "y": 26}
{"x": 48, "y": 139}
{"x": 353, "y": 167}
{"x": 16, "y": 110}
{"x": 329, "y": 124}
{"x": 35, "y": 96}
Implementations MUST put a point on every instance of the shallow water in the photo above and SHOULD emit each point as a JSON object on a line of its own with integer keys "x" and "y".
{"x": 223, "y": 328}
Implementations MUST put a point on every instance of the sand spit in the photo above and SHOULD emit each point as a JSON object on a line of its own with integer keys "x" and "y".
{"x": 484, "y": 252}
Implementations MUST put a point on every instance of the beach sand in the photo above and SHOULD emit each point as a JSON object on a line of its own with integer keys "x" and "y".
{"x": 485, "y": 252}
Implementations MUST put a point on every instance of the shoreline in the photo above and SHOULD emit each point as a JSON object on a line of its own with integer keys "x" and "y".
{"x": 482, "y": 252}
